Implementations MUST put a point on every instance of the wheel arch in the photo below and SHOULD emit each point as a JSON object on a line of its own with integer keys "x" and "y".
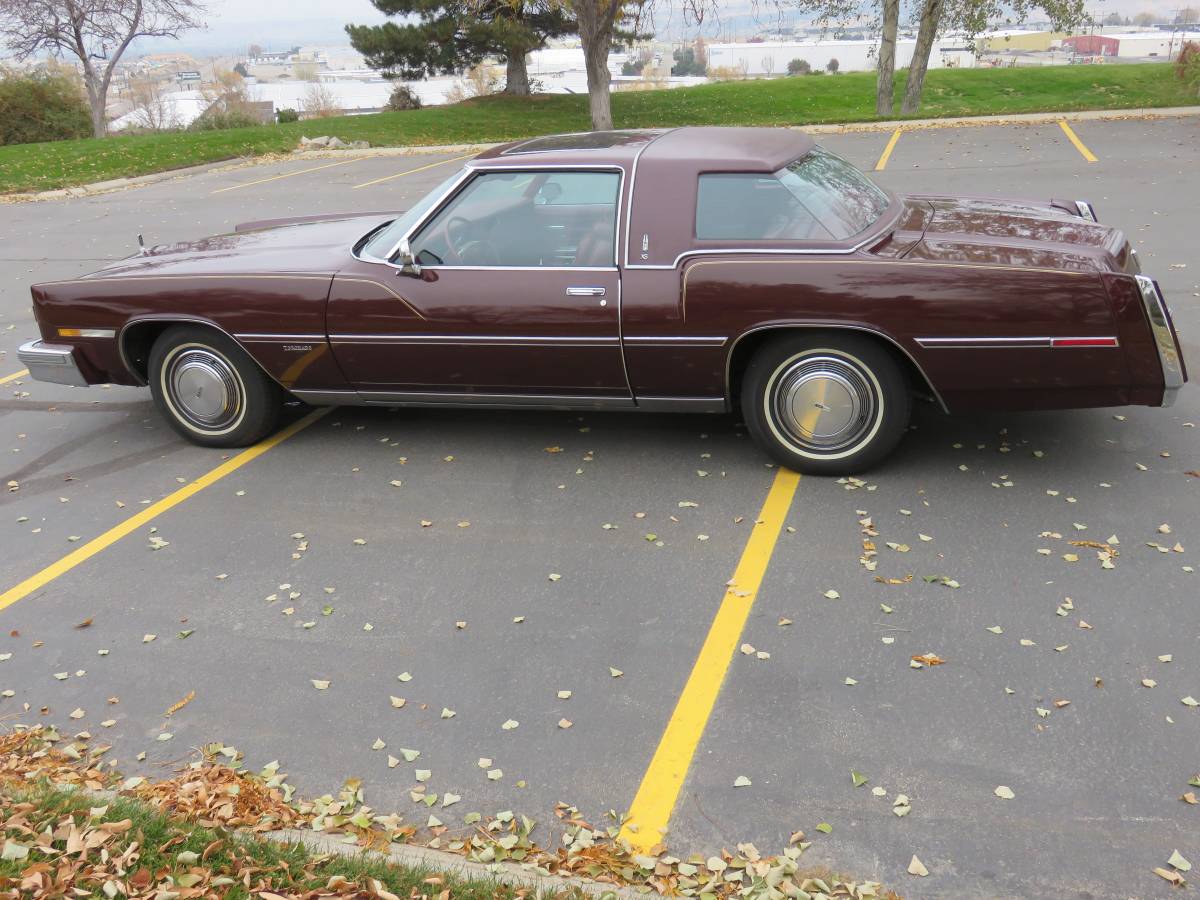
{"x": 137, "y": 337}
{"x": 746, "y": 344}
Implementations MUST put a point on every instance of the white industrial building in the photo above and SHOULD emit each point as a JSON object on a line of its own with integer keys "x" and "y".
{"x": 772, "y": 57}
{"x": 1145, "y": 44}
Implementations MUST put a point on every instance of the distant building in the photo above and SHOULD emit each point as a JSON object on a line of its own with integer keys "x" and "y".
{"x": 772, "y": 57}
{"x": 1020, "y": 40}
{"x": 1131, "y": 44}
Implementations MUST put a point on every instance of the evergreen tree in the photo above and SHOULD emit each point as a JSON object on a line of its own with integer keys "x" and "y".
{"x": 452, "y": 35}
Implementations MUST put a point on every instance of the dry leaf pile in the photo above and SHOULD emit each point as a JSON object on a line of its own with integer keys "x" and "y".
{"x": 73, "y": 855}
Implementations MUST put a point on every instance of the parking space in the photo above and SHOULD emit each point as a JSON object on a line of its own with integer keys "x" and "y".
{"x": 523, "y": 598}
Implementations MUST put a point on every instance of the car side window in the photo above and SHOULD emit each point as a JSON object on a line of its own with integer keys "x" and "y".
{"x": 745, "y": 207}
{"x": 526, "y": 219}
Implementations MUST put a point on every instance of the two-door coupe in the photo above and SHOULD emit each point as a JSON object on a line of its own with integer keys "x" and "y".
{"x": 693, "y": 270}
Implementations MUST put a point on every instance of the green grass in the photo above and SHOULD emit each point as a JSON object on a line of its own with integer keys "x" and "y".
{"x": 286, "y": 869}
{"x": 784, "y": 101}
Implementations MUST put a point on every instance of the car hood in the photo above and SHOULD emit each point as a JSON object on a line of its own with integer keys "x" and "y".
{"x": 1022, "y": 233}
{"x": 299, "y": 245}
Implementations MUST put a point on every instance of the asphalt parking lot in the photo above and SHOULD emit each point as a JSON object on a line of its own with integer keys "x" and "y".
{"x": 1064, "y": 681}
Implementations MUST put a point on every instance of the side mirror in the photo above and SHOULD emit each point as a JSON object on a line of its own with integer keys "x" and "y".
{"x": 405, "y": 260}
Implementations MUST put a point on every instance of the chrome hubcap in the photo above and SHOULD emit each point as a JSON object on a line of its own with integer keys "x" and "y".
{"x": 823, "y": 403}
{"x": 204, "y": 388}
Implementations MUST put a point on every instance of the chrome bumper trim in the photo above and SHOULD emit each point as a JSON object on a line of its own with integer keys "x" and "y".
{"x": 1164, "y": 339}
{"x": 51, "y": 362}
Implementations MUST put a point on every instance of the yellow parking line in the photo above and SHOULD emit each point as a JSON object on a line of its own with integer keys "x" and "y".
{"x": 887, "y": 151}
{"x": 344, "y": 162}
{"x": 413, "y": 171}
{"x": 14, "y": 376}
{"x": 1074, "y": 139}
{"x": 147, "y": 515}
{"x": 659, "y": 790}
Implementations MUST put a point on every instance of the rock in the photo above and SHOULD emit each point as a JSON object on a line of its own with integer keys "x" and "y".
{"x": 317, "y": 143}
{"x": 335, "y": 143}
{"x": 360, "y": 145}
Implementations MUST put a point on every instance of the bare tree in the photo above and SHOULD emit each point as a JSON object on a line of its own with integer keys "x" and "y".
{"x": 96, "y": 32}
{"x": 768, "y": 64}
{"x": 931, "y": 18}
{"x": 151, "y": 108}
{"x": 970, "y": 18}
{"x": 319, "y": 101}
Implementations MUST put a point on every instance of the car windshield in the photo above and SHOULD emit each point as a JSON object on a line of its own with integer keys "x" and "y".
{"x": 383, "y": 240}
{"x": 840, "y": 198}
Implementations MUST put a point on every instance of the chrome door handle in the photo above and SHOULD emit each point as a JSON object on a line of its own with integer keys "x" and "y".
{"x": 585, "y": 291}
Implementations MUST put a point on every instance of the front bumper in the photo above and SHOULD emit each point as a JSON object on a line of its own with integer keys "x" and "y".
{"x": 1169, "y": 354}
{"x": 51, "y": 362}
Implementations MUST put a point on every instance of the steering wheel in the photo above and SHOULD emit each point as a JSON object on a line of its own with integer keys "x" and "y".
{"x": 468, "y": 250}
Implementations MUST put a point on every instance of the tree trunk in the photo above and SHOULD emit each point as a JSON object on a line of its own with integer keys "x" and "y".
{"x": 931, "y": 15}
{"x": 97, "y": 100}
{"x": 516, "y": 81}
{"x": 595, "y": 19}
{"x": 887, "y": 58}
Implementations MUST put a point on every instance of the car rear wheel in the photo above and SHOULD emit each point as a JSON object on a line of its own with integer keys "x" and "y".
{"x": 210, "y": 390}
{"x": 826, "y": 404}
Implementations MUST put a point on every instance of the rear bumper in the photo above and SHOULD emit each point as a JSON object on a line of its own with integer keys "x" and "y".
{"x": 1170, "y": 357}
{"x": 51, "y": 362}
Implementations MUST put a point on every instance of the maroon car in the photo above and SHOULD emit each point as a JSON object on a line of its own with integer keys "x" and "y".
{"x": 691, "y": 270}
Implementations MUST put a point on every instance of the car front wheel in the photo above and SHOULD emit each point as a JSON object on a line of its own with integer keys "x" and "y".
{"x": 210, "y": 390}
{"x": 826, "y": 404}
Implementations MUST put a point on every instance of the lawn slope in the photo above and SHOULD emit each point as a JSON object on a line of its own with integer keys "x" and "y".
{"x": 783, "y": 101}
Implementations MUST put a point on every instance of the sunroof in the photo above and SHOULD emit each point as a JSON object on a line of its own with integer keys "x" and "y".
{"x": 587, "y": 140}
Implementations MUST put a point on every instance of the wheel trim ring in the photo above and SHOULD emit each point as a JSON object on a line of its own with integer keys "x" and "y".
{"x": 861, "y": 437}
{"x": 196, "y": 358}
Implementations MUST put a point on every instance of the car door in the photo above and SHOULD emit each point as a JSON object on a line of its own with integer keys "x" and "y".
{"x": 516, "y": 301}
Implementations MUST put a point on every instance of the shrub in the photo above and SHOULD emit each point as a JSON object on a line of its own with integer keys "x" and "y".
{"x": 814, "y": 72}
{"x": 403, "y": 97}
{"x": 42, "y": 106}
{"x": 1187, "y": 66}
{"x": 799, "y": 67}
{"x": 219, "y": 120}
{"x": 832, "y": 66}
{"x": 287, "y": 115}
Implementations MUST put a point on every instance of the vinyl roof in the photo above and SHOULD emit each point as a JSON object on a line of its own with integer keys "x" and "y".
{"x": 702, "y": 148}
{"x": 731, "y": 149}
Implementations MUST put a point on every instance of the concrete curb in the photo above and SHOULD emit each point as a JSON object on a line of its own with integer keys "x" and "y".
{"x": 120, "y": 184}
{"x": 453, "y": 864}
{"x": 1087, "y": 115}
{"x": 417, "y": 857}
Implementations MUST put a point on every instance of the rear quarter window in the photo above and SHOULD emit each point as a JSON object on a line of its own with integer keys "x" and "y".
{"x": 819, "y": 197}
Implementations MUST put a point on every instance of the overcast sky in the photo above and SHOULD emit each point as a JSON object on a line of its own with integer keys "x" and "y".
{"x": 280, "y": 24}
{"x": 259, "y": 11}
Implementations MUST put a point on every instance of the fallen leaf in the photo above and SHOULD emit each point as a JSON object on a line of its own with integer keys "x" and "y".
{"x": 319, "y": 684}
{"x": 1004, "y": 792}
{"x": 742, "y": 781}
{"x": 916, "y": 867}
{"x": 176, "y": 707}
